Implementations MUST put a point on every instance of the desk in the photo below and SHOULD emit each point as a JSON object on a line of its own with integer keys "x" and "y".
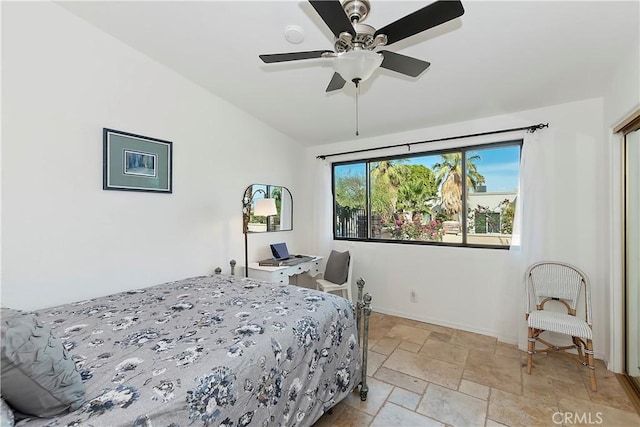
{"x": 282, "y": 273}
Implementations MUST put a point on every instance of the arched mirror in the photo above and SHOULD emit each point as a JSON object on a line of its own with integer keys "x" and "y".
{"x": 267, "y": 208}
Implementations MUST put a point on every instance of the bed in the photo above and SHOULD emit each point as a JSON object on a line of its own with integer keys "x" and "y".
{"x": 213, "y": 350}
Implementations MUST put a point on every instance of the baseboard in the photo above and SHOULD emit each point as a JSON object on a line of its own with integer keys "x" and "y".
{"x": 439, "y": 322}
{"x": 508, "y": 339}
{"x": 631, "y": 390}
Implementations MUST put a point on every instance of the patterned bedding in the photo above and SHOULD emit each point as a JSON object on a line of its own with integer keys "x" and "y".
{"x": 213, "y": 350}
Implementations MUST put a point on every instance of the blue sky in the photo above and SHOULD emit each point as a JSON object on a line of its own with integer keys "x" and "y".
{"x": 499, "y": 166}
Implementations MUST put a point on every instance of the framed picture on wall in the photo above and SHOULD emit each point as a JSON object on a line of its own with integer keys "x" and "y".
{"x": 136, "y": 163}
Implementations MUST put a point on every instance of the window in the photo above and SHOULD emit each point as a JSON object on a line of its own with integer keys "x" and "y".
{"x": 461, "y": 197}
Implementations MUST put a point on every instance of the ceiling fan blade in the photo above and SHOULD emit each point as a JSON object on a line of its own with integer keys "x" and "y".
{"x": 428, "y": 17}
{"x": 403, "y": 64}
{"x": 293, "y": 56}
{"x": 337, "y": 82}
{"x": 333, "y": 15}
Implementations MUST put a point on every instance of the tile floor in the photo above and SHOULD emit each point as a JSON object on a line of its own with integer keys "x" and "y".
{"x": 427, "y": 375}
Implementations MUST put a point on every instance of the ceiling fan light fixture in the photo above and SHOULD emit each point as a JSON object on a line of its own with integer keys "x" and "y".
{"x": 357, "y": 64}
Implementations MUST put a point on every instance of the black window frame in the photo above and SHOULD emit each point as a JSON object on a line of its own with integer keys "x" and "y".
{"x": 459, "y": 149}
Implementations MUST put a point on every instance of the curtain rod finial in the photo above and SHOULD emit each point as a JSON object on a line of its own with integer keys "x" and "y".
{"x": 539, "y": 126}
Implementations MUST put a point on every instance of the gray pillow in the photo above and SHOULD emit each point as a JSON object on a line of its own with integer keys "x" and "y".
{"x": 337, "y": 269}
{"x": 38, "y": 377}
{"x": 6, "y": 414}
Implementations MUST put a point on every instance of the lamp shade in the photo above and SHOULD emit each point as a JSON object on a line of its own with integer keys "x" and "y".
{"x": 265, "y": 207}
{"x": 357, "y": 64}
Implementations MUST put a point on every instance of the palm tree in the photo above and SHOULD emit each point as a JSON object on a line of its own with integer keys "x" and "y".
{"x": 388, "y": 170}
{"x": 417, "y": 189}
{"x": 449, "y": 179}
{"x": 386, "y": 178}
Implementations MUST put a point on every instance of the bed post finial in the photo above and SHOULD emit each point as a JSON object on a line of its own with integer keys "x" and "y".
{"x": 218, "y": 270}
{"x": 364, "y": 388}
{"x": 360, "y": 284}
{"x": 232, "y": 263}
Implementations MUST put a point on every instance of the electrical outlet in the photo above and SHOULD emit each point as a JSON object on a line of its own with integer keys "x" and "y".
{"x": 413, "y": 296}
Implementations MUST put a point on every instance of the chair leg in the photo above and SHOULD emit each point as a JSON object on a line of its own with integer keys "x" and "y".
{"x": 591, "y": 365}
{"x": 531, "y": 345}
{"x": 579, "y": 345}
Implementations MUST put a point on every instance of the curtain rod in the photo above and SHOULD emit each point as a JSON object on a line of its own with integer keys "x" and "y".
{"x": 530, "y": 129}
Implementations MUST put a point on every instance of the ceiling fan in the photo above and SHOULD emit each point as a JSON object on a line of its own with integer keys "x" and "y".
{"x": 354, "y": 57}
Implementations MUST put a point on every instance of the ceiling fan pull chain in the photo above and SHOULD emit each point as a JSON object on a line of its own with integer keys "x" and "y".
{"x": 356, "y": 81}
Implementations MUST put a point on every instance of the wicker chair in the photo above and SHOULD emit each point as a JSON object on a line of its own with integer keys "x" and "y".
{"x": 555, "y": 281}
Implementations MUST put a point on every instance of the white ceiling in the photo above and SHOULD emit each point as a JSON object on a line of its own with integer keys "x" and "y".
{"x": 499, "y": 57}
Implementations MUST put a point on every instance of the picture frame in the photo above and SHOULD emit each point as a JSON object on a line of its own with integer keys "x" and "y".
{"x": 136, "y": 163}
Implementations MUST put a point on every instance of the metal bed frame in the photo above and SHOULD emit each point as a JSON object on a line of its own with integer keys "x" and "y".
{"x": 362, "y": 312}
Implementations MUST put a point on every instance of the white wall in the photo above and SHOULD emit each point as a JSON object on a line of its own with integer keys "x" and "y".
{"x": 475, "y": 289}
{"x": 63, "y": 237}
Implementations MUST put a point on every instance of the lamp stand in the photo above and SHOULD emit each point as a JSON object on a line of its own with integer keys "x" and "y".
{"x": 246, "y": 255}
{"x": 246, "y": 207}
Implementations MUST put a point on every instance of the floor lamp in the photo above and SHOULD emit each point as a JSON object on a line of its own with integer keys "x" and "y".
{"x": 263, "y": 207}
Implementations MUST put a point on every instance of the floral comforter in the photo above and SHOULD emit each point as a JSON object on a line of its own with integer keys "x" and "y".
{"x": 216, "y": 350}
